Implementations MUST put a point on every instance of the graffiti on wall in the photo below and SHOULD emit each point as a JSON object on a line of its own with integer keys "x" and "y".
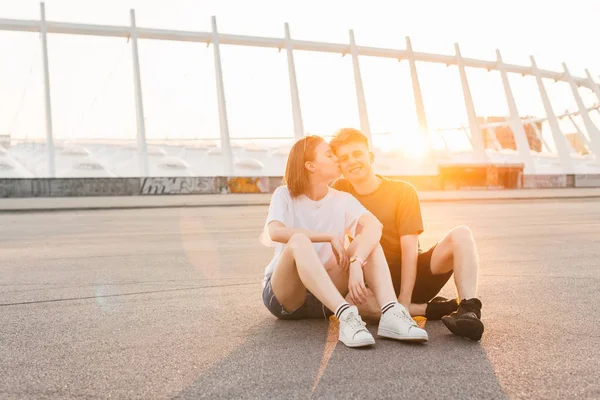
{"x": 160, "y": 185}
{"x": 15, "y": 188}
{"x": 86, "y": 187}
{"x": 249, "y": 185}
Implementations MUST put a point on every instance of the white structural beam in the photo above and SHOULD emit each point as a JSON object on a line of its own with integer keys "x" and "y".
{"x": 595, "y": 88}
{"x": 476, "y": 136}
{"x": 514, "y": 121}
{"x": 580, "y": 133}
{"x": 295, "y": 96}
{"x": 562, "y": 146}
{"x": 592, "y": 85}
{"x": 592, "y": 130}
{"x": 47, "y": 97}
{"x": 139, "y": 102}
{"x": 223, "y": 121}
{"x": 540, "y": 137}
{"x": 276, "y": 43}
{"x": 363, "y": 115}
{"x": 418, "y": 95}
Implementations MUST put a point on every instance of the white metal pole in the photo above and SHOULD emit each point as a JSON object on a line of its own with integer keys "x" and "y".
{"x": 363, "y": 116}
{"x": 580, "y": 133}
{"x": 593, "y": 85}
{"x": 592, "y": 130}
{"x": 476, "y": 136}
{"x": 296, "y": 109}
{"x": 419, "y": 105}
{"x": 268, "y": 42}
{"x": 139, "y": 104}
{"x": 540, "y": 136}
{"x": 562, "y": 146}
{"x": 223, "y": 122}
{"x": 492, "y": 131}
{"x": 514, "y": 121}
{"x": 47, "y": 97}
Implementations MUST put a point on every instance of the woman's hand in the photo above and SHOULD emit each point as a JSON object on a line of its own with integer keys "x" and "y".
{"x": 340, "y": 253}
{"x": 356, "y": 284}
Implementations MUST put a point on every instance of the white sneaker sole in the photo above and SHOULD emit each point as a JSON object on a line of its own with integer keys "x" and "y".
{"x": 394, "y": 335}
{"x": 358, "y": 343}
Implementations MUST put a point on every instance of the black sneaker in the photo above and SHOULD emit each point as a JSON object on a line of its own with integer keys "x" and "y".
{"x": 466, "y": 321}
{"x": 439, "y": 307}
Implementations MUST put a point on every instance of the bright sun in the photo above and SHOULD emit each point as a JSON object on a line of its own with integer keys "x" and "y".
{"x": 413, "y": 146}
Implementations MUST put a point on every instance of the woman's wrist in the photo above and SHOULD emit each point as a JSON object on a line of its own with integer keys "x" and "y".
{"x": 358, "y": 261}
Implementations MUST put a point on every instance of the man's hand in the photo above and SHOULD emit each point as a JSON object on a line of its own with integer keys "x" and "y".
{"x": 340, "y": 252}
{"x": 356, "y": 284}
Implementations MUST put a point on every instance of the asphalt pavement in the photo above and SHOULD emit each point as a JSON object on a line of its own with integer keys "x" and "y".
{"x": 166, "y": 303}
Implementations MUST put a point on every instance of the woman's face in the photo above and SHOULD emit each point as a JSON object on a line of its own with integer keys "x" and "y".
{"x": 325, "y": 164}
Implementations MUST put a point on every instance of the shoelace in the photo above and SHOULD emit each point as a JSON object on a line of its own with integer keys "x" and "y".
{"x": 403, "y": 315}
{"x": 354, "y": 321}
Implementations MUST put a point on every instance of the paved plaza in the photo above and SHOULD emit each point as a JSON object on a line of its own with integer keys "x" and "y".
{"x": 166, "y": 303}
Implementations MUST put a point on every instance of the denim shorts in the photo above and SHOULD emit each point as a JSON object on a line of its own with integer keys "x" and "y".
{"x": 312, "y": 307}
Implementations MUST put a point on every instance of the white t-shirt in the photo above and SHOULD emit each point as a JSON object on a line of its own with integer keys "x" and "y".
{"x": 337, "y": 214}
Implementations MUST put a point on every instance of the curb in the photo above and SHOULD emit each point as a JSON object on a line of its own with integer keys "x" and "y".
{"x": 49, "y": 204}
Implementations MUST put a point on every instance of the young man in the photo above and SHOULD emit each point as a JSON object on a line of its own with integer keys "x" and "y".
{"x": 417, "y": 276}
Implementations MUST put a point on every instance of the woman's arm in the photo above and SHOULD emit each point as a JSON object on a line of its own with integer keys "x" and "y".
{"x": 280, "y": 233}
{"x": 370, "y": 235}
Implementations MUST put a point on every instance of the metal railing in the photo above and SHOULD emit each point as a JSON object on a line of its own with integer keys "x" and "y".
{"x": 214, "y": 38}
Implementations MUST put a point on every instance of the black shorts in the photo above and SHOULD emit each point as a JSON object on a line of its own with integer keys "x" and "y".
{"x": 427, "y": 285}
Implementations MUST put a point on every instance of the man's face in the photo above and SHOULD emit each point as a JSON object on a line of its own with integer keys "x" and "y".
{"x": 355, "y": 161}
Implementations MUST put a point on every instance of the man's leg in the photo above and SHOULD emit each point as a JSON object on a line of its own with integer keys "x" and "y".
{"x": 457, "y": 252}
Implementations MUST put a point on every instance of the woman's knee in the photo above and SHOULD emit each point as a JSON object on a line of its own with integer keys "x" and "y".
{"x": 298, "y": 241}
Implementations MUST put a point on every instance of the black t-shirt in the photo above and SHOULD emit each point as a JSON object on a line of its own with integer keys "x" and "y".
{"x": 396, "y": 205}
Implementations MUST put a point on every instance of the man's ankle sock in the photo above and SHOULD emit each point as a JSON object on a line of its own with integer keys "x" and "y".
{"x": 341, "y": 309}
{"x": 439, "y": 307}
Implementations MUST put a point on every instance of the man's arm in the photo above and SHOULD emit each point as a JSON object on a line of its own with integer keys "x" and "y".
{"x": 410, "y": 252}
{"x": 410, "y": 226}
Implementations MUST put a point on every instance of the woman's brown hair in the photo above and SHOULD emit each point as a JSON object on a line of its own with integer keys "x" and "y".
{"x": 296, "y": 175}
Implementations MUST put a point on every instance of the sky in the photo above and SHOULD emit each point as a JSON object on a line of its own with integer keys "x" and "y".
{"x": 92, "y": 79}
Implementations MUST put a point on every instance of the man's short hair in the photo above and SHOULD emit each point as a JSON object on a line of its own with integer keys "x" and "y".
{"x": 346, "y": 136}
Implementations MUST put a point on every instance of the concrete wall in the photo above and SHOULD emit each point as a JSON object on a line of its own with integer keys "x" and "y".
{"x": 69, "y": 187}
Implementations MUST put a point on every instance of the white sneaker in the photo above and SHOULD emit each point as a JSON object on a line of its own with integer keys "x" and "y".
{"x": 352, "y": 329}
{"x": 397, "y": 323}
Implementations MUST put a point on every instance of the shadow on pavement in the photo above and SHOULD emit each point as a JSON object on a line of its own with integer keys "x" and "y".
{"x": 281, "y": 359}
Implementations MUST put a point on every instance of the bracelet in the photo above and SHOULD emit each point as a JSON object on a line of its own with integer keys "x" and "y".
{"x": 359, "y": 259}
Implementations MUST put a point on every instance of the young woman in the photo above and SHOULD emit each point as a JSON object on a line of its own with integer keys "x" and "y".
{"x": 311, "y": 271}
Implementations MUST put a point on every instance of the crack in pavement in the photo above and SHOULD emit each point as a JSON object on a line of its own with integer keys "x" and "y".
{"x": 124, "y": 294}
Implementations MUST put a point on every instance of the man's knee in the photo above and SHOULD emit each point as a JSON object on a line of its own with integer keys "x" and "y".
{"x": 461, "y": 236}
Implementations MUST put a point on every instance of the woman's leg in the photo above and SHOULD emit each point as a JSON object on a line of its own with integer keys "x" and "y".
{"x": 396, "y": 324}
{"x": 377, "y": 276}
{"x": 298, "y": 269}
{"x": 338, "y": 276}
